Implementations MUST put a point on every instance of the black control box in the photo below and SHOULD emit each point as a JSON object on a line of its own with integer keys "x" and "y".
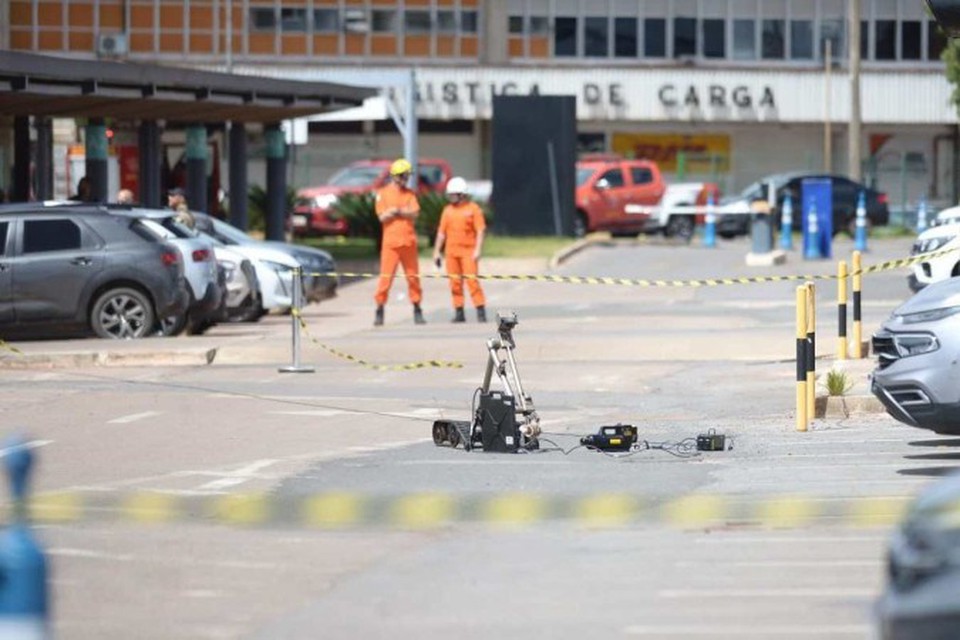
{"x": 618, "y": 437}
{"x": 711, "y": 441}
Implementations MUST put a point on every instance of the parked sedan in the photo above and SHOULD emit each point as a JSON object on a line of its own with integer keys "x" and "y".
{"x": 919, "y": 601}
{"x": 918, "y": 375}
{"x": 846, "y": 193}
{"x": 76, "y": 270}
{"x": 315, "y": 262}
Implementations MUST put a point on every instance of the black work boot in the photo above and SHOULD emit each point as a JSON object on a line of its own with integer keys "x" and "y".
{"x": 418, "y": 315}
{"x": 458, "y": 315}
{"x": 378, "y": 318}
{"x": 481, "y": 314}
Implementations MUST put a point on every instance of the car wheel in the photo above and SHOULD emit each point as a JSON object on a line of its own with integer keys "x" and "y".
{"x": 579, "y": 225}
{"x": 173, "y": 325}
{"x": 680, "y": 227}
{"x": 122, "y": 313}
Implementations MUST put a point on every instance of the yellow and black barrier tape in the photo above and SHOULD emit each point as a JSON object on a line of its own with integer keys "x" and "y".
{"x": 409, "y": 366}
{"x": 640, "y": 282}
{"x": 331, "y": 511}
{"x": 9, "y": 347}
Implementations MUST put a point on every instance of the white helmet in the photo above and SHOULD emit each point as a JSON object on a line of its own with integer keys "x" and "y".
{"x": 456, "y": 185}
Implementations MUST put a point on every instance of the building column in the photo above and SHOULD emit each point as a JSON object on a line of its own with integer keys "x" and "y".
{"x": 44, "y": 160}
{"x": 20, "y": 189}
{"x": 96, "y": 159}
{"x": 197, "y": 197}
{"x": 237, "y": 162}
{"x": 276, "y": 181}
{"x": 149, "y": 152}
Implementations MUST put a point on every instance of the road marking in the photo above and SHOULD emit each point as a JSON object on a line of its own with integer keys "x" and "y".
{"x": 133, "y": 417}
{"x": 813, "y": 592}
{"x": 33, "y": 444}
{"x": 747, "y": 539}
{"x": 89, "y": 554}
{"x": 713, "y": 631}
{"x": 786, "y": 564}
{"x": 319, "y": 413}
{"x": 239, "y": 476}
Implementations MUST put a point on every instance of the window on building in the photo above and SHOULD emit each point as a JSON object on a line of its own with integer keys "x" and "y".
{"x": 885, "y": 34}
{"x": 516, "y": 24}
{"x": 684, "y": 37}
{"x": 714, "y": 38}
{"x": 625, "y": 37}
{"x": 596, "y": 37}
{"x": 772, "y": 45}
{"x": 801, "y": 39}
{"x": 936, "y": 41}
{"x": 910, "y": 40}
{"x": 50, "y": 235}
{"x": 744, "y": 39}
{"x": 326, "y": 20}
{"x": 565, "y": 36}
{"x": 832, "y": 30}
{"x": 263, "y": 18}
{"x": 384, "y": 20}
{"x": 293, "y": 19}
{"x": 417, "y": 21}
{"x": 655, "y": 37}
{"x": 468, "y": 21}
{"x": 446, "y": 21}
{"x": 864, "y": 39}
{"x": 539, "y": 25}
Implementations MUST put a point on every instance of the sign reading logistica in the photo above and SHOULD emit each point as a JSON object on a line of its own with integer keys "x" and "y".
{"x": 475, "y": 92}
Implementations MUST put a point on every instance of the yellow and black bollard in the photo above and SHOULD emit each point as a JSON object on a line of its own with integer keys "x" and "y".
{"x": 802, "y": 358}
{"x": 811, "y": 350}
{"x": 842, "y": 310}
{"x": 857, "y": 324}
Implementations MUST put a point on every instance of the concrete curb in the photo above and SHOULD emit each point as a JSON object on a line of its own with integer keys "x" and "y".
{"x": 843, "y": 406}
{"x": 571, "y": 250}
{"x": 79, "y": 359}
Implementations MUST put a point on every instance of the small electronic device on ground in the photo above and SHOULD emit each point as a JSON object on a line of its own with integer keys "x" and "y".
{"x": 618, "y": 437}
{"x": 711, "y": 441}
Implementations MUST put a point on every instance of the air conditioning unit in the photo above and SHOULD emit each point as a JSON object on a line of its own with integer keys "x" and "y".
{"x": 112, "y": 45}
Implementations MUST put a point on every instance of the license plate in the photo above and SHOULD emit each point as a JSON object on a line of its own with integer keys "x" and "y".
{"x": 299, "y": 221}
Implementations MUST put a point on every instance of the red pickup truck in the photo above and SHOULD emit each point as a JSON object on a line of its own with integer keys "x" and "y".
{"x": 314, "y": 205}
{"x": 606, "y": 185}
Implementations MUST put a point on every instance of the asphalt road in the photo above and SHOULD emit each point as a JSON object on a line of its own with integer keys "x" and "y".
{"x": 779, "y": 537}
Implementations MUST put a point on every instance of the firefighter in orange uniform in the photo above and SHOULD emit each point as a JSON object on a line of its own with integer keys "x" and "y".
{"x": 398, "y": 208}
{"x": 460, "y": 233}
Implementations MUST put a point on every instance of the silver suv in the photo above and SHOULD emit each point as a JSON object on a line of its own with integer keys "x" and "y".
{"x": 75, "y": 270}
{"x": 918, "y": 371}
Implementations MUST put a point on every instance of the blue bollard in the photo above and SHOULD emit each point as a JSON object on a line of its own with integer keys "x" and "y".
{"x": 812, "y": 249}
{"x": 24, "y": 607}
{"x": 922, "y": 215}
{"x": 710, "y": 225}
{"x": 786, "y": 224}
{"x": 860, "y": 237}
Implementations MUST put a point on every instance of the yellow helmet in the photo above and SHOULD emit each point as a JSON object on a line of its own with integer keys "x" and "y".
{"x": 400, "y": 166}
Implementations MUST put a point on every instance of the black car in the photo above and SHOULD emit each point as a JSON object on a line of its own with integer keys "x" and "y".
{"x": 75, "y": 270}
{"x": 846, "y": 193}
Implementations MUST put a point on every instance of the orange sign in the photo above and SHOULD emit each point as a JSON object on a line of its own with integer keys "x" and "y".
{"x": 701, "y": 153}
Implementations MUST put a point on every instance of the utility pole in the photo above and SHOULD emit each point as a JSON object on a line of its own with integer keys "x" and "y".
{"x": 854, "y": 159}
{"x": 827, "y": 116}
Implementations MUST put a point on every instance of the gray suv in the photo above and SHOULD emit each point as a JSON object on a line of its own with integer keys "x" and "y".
{"x": 77, "y": 270}
{"x": 918, "y": 372}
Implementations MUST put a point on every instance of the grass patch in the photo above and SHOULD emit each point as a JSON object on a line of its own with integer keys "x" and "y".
{"x": 350, "y": 248}
{"x": 838, "y": 383}
{"x": 892, "y": 231}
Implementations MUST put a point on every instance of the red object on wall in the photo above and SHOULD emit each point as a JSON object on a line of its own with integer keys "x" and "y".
{"x": 129, "y": 159}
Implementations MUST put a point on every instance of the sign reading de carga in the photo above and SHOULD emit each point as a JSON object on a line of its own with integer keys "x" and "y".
{"x": 715, "y": 95}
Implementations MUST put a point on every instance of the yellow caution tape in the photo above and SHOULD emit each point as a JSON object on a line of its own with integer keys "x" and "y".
{"x": 639, "y": 282}
{"x": 423, "y": 364}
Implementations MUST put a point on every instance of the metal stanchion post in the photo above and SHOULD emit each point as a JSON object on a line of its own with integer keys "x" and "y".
{"x": 801, "y": 358}
{"x": 857, "y": 324}
{"x": 811, "y": 350}
{"x": 842, "y": 310}
{"x": 296, "y": 367}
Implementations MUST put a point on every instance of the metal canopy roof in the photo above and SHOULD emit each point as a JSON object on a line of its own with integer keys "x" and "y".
{"x": 39, "y": 85}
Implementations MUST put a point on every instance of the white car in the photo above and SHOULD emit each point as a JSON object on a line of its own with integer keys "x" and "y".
{"x": 945, "y": 236}
{"x": 242, "y": 299}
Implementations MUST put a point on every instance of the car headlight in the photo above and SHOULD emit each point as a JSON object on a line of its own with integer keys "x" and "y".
{"x": 914, "y": 344}
{"x": 325, "y": 201}
{"x": 932, "y": 244}
{"x": 278, "y": 267}
{"x": 928, "y": 316}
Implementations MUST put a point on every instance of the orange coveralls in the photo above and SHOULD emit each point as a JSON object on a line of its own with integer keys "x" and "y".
{"x": 399, "y": 242}
{"x": 460, "y": 223}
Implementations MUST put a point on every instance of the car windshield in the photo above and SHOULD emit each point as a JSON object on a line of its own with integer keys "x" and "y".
{"x": 166, "y": 228}
{"x": 583, "y": 174}
{"x": 356, "y": 177}
{"x": 229, "y": 234}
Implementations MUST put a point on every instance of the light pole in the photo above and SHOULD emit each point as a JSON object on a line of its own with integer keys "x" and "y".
{"x": 854, "y": 160}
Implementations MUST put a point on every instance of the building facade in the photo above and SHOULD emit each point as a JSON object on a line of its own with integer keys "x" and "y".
{"x": 728, "y": 90}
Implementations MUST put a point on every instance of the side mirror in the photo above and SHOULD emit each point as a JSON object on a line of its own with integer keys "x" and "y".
{"x": 602, "y": 184}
